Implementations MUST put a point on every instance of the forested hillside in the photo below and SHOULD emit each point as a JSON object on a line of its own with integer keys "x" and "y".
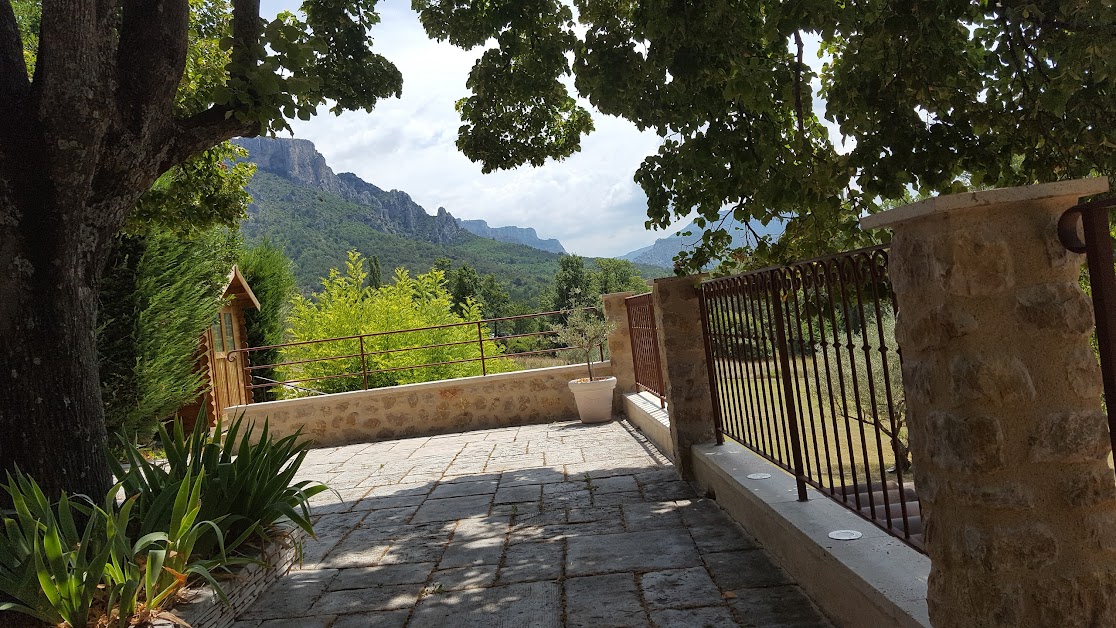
{"x": 316, "y": 230}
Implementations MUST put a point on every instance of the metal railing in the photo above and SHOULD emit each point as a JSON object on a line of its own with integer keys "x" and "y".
{"x": 354, "y": 357}
{"x": 804, "y": 370}
{"x": 645, "y": 346}
{"x": 1092, "y": 217}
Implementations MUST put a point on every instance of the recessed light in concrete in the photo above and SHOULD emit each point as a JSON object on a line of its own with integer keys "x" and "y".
{"x": 758, "y": 476}
{"x": 845, "y": 535}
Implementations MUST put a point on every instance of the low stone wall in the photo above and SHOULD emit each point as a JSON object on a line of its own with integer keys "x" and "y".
{"x": 645, "y": 412}
{"x": 875, "y": 580}
{"x": 443, "y": 407}
{"x": 201, "y": 608}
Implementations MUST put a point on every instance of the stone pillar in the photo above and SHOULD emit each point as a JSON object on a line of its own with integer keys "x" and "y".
{"x": 1003, "y": 394}
{"x": 685, "y": 374}
{"x": 620, "y": 347}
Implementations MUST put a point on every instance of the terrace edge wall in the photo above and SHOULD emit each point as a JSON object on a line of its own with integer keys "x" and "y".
{"x": 426, "y": 409}
{"x": 1009, "y": 441}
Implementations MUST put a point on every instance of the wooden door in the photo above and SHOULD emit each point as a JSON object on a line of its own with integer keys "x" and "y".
{"x": 228, "y": 376}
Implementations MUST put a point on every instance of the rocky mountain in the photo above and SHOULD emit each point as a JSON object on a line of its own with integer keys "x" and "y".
{"x": 662, "y": 251}
{"x": 317, "y": 216}
{"x": 389, "y": 212}
{"x": 515, "y": 235}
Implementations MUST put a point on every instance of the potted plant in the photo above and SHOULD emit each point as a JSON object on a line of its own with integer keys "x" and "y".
{"x": 583, "y": 332}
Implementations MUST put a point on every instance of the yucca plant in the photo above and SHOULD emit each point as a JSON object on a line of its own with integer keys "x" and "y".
{"x": 245, "y": 487}
{"x": 47, "y": 565}
{"x": 144, "y": 576}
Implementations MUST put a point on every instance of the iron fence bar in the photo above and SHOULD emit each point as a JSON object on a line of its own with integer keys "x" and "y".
{"x": 873, "y": 406}
{"x": 480, "y": 343}
{"x": 416, "y": 329}
{"x": 788, "y": 384}
{"x": 738, "y": 299}
{"x": 363, "y": 363}
{"x": 804, "y": 401}
{"x": 744, "y": 300}
{"x": 821, "y": 342}
{"x": 711, "y": 370}
{"x": 771, "y": 311}
{"x": 1097, "y": 247}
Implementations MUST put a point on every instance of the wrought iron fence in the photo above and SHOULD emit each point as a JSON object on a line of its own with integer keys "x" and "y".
{"x": 804, "y": 371}
{"x": 354, "y": 362}
{"x": 645, "y": 346}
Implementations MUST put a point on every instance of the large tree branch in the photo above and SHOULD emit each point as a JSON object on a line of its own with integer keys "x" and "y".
{"x": 14, "y": 83}
{"x": 202, "y": 131}
{"x": 154, "y": 37}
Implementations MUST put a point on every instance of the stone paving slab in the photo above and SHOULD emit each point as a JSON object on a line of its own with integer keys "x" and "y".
{"x": 537, "y": 526}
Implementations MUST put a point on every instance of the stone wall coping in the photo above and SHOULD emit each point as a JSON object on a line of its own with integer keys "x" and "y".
{"x": 876, "y": 580}
{"x": 985, "y": 199}
{"x": 643, "y": 411}
{"x": 403, "y": 389}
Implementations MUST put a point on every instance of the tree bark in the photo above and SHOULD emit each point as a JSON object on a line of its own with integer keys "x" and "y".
{"x": 78, "y": 146}
{"x": 51, "y": 420}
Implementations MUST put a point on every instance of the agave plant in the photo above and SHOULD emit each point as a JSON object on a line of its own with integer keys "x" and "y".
{"x": 47, "y": 565}
{"x": 245, "y": 488}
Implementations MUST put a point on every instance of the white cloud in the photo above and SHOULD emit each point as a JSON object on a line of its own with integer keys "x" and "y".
{"x": 588, "y": 201}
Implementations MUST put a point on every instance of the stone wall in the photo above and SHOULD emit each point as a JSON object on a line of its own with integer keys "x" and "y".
{"x": 620, "y": 347}
{"x": 202, "y": 608}
{"x": 685, "y": 374}
{"x": 443, "y": 407}
{"x": 1009, "y": 441}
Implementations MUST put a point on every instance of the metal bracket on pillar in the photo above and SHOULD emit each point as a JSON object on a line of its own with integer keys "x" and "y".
{"x": 1097, "y": 246}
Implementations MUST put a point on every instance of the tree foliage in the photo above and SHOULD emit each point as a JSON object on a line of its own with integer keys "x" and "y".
{"x": 270, "y": 275}
{"x": 935, "y": 97}
{"x": 348, "y": 306}
{"x": 577, "y": 285}
{"x": 163, "y": 293}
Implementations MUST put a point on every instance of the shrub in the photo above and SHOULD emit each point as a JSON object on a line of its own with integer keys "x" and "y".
{"x": 98, "y": 575}
{"x": 245, "y": 487}
{"x": 161, "y": 293}
{"x": 268, "y": 270}
{"x": 349, "y": 306}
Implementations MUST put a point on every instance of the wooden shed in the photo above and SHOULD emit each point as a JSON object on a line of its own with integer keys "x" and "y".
{"x": 227, "y": 382}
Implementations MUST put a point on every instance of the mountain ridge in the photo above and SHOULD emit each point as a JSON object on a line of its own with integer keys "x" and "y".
{"x": 662, "y": 251}
{"x": 317, "y": 216}
{"x": 394, "y": 211}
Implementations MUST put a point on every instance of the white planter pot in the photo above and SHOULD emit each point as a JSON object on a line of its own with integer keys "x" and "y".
{"x": 594, "y": 399}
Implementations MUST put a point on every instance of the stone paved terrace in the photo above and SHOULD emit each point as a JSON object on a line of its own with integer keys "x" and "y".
{"x": 547, "y": 525}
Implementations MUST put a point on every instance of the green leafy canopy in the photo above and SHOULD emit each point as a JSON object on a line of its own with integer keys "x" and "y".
{"x": 935, "y": 97}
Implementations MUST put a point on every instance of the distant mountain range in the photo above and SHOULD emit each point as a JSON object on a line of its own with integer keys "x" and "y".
{"x": 515, "y": 235}
{"x": 391, "y": 212}
{"x": 661, "y": 253}
{"x": 317, "y": 216}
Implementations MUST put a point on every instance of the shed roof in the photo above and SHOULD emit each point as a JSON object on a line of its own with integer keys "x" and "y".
{"x": 238, "y": 288}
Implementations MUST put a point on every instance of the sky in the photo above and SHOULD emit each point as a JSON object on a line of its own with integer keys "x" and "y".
{"x": 588, "y": 201}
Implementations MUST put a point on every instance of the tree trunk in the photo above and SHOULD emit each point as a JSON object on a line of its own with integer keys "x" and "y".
{"x": 51, "y": 418}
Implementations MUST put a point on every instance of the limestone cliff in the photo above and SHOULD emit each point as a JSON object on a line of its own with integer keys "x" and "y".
{"x": 515, "y": 235}
{"x": 390, "y": 212}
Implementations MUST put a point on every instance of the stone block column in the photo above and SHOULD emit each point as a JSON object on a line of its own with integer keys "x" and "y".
{"x": 620, "y": 347}
{"x": 685, "y": 373}
{"x": 1009, "y": 442}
